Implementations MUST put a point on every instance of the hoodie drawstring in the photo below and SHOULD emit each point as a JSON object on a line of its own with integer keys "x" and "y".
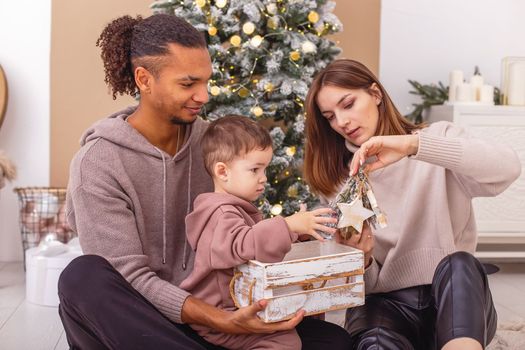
{"x": 188, "y": 208}
{"x": 163, "y": 205}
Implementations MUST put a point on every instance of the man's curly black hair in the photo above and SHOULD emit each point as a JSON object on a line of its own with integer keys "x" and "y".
{"x": 128, "y": 42}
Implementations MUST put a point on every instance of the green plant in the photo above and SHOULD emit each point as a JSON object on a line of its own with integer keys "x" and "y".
{"x": 431, "y": 95}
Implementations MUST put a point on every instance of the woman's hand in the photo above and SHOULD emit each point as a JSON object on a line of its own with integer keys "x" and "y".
{"x": 363, "y": 241}
{"x": 387, "y": 149}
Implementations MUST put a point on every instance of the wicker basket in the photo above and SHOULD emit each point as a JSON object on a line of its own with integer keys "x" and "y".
{"x": 42, "y": 215}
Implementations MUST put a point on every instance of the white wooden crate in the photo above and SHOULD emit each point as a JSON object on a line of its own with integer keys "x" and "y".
{"x": 314, "y": 276}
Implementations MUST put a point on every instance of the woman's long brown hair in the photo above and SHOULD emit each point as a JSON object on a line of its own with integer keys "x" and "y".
{"x": 326, "y": 156}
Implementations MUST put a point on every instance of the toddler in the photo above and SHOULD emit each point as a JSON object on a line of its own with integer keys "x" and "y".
{"x": 226, "y": 229}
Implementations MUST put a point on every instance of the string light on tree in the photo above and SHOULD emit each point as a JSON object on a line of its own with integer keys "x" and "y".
{"x": 200, "y": 3}
{"x": 313, "y": 17}
{"x": 215, "y": 90}
{"x": 256, "y": 41}
{"x": 221, "y": 3}
{"x": 248, "y": 28}
{"x": 212, "y": 30}
{"x": 277, "y": 209}
{"x": 235, "y": 40}
{"x": 257, "y": 111}
{"x": 295, "y": 55}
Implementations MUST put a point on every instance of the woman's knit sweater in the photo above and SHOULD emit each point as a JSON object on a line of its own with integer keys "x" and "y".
{"x": 428, "y": 201}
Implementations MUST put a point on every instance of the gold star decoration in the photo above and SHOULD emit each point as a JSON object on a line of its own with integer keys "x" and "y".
{"x": 353, "y": 214}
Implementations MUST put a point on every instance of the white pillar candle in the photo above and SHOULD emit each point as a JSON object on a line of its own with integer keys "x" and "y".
{"x": 477, "y": 82}
{"x": 486, "y": 94}
{"x": 516, "y": 87}
{"x": 464, "y": 93}
{"x": 455, "y": 78}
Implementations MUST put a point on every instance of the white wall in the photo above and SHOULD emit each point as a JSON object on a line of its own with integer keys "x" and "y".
{"x": 424, "y": 40}
{"x": 25, "y": 32}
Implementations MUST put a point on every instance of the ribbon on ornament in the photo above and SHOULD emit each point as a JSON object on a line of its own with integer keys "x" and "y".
{"x": 355, "y": 204}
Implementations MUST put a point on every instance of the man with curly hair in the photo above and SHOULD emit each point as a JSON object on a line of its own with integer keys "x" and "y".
{"x": 131, "y": 186}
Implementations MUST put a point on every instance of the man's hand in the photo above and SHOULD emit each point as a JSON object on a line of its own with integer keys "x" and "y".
{"x": 245, "y": 321}
{"x": 241, "y": 321}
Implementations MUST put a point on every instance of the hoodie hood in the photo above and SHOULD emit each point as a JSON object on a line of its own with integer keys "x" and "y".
{"x": 206, "y": 204}
{"x": 117, "y": 130}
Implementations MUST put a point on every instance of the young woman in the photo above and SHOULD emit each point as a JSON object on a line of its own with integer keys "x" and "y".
{"x": 424, "y": 288}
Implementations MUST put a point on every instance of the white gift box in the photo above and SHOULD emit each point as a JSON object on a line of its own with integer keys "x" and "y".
{"x": 42, "y": 274}
{"x": 314, "y": 276}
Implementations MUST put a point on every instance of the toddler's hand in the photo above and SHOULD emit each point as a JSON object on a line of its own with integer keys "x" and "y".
{"x": 307, "y": 222}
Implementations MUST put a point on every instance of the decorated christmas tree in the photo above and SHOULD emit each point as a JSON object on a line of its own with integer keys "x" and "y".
{"x": 264, "y": 55}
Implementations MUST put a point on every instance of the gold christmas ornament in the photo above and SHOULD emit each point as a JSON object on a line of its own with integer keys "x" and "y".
{"x": 256, "y": 41}
{"x": 221, "y": 3}
{"x": 292, "y": 192}
{"x": 308, "y": 47}
{"x": 290, "y": 151}
{"x": 257, "y": 111}
{"x": 248, "y": 28}
{"x": 200, "y": 3}
{"x": 319, "y": 28}
{"x": 215, "y": 90}
{"x": 313, "y": 17}
{"x": 273, "y": 22}
{"x": 235, "y": 40}
{"x": 212, "y": 31}
{"x": 268, "y": 87}
{"x": 295, "y": 55}
{"x": 271, "y": 8}
{"x": 276, "y": 209}
{"x": 243, "y": 92}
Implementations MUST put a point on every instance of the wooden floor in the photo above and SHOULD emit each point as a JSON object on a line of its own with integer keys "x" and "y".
{"x": 27, "y": 326}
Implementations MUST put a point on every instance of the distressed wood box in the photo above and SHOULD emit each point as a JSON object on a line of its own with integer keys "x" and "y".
{"x": 314, "y": 276}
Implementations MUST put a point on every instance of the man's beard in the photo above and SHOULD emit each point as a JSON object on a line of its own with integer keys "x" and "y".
{"x": 179, "y": 121}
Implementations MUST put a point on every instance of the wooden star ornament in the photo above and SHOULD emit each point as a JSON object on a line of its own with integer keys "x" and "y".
{"x": 353, "y": 214}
